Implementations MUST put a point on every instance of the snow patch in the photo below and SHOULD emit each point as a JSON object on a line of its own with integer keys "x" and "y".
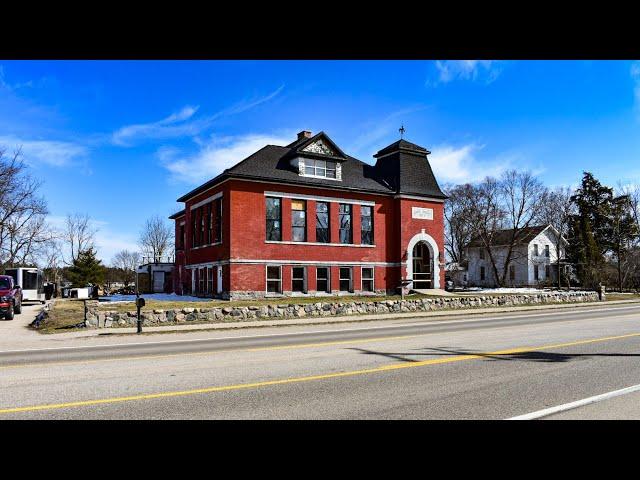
{"x": 162, "y": 297}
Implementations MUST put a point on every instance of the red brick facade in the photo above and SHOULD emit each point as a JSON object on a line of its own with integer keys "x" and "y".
{"x": 244, "y": 253}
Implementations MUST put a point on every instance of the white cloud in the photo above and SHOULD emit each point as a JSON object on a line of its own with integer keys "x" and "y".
{"x": 460, "y": 165}
{"x": 48, "y": 152}
{"x": 368, "y": 143}
{"x": 215, "y": 156}
{"x": 180, "y": 124}
{"x": 635, "y": 76}
{"x": 485, "y": 71}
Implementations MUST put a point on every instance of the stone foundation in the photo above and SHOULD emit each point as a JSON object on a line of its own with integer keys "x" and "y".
{"x": 285, "y": 308}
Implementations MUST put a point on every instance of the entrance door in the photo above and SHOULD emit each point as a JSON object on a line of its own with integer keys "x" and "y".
{"x": 422, "y": 266}
{"x": 219, "y": 282}
{"x": 158, "y": 282}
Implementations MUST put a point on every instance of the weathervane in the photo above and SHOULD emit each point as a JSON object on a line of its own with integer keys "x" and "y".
{"x": 401, "y": 130}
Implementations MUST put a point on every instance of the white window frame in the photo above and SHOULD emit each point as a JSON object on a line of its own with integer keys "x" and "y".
{"x": 373, "y": 278}
{"x": 304, "y": 278}
{"x": 266, "y": 276}
{"x": 312, "y": 163}
{"x": 340, "y": 279}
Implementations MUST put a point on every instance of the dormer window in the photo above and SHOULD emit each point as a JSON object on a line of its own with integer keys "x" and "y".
{"x": 319, "y": 168}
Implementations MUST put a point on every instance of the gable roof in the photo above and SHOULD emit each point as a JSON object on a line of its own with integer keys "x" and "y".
{"x": 503, "y": 237}
{"x": 276, "y": 163}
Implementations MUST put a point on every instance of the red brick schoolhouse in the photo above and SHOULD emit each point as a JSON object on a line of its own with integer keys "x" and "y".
{"x": 308, "y": 219}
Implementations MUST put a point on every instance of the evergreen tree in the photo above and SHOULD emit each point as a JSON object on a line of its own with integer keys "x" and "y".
{"x": 86, "y": 269}
{"x": 591, "y": 233}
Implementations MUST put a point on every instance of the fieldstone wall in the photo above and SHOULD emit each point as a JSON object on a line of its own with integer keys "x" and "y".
{"x": 97, "y": 318}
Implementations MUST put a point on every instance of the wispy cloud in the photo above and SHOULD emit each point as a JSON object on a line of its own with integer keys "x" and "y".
{"x": 46, "y": 152}
{"x": 485, "y": 71}
{"x": 461, "y": 165}
{"x": 635, "y": 76}
{"x": 368, "y": 143}
{"x": 183, "y": 123}
{"x": 216, "y": 155}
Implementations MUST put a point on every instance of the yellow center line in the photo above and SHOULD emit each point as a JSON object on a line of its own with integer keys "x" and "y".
{"x": 244, "y": 386}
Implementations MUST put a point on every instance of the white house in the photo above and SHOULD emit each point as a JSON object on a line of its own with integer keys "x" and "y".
{"x": 533, "y": 259}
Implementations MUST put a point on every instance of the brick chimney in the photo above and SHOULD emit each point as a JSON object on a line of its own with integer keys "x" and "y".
{"x": 304, "y": 134}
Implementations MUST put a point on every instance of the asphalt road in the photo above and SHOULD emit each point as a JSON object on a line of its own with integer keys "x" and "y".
{"x": 478, "y": 367}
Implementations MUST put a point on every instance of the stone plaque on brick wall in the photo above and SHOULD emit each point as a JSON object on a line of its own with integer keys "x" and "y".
{"x": 422, "y": 213}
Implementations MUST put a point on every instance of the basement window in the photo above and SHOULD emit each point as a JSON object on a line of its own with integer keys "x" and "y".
{"x": 274, "y": 279}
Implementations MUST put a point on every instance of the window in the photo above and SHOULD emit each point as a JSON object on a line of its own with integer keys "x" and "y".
{"x": 322, "y": 222}
{"x": 274, "y": 215}
{"x": 346, "y": 234}
{"x": 299, "y": 220}
{"x": 367, "y": 279}
{"x": 298, "y": 279}
{"x": 322, "y": 280}
{"x": 481, "y": 273}
{"x": 512, "y": 272}
{"x": 210, "y": 280}
{"x": 201, "y": 214}
{"x": 536, "y": 275}
{"x": 366, "y": 225}
{"x": 319, "y": 168}
{"x": 274, "y": 279}
{"x": 194, "y": 228}
{"x": 345, "y": 279}
{"x": 546, "y": 251}
{"x": 547, "y": 271}
{"x": 482, "y": 254}
{"x": 535, "y": 249}
{"x": 217, "y": 220}
{"x": 182, "y": 238}
{"x": 201, "y": 281}
{"x": 209, "y": 224}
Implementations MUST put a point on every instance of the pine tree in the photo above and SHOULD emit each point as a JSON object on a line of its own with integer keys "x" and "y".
{"x": 86, "y": 269}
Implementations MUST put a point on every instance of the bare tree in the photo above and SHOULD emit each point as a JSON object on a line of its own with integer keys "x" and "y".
{"x": 508, "y": 203}
{"x": 156, "y": 238}
{"x": 79, "y": 235}
{"x": 458, "y": 211}
{"x": 22, "y": 212}
{"x": 557, "y": 210}
{"x": 127, "y": 262}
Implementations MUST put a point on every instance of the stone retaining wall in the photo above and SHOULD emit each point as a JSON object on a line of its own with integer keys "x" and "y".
{"x": 104, "y": 319}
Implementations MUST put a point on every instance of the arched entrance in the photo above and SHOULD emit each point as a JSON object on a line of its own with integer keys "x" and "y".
{"x": 422, "y": 263}
{"x": 424, "y": 248}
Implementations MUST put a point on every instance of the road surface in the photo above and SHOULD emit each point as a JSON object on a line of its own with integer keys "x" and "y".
{"x": 494, "y": 366}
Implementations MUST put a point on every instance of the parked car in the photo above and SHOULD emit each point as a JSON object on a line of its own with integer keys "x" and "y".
{"x": 10, "y": 297}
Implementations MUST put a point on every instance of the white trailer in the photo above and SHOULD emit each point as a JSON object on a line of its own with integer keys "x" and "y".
{"x": 31, "y": 282}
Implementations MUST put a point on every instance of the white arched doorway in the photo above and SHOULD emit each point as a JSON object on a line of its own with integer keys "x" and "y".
{"x": 427, "y": 248}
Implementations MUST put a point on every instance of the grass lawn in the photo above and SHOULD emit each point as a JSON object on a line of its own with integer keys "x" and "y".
{"x": 622, "y": 296}
{"x": 63, "y": 315}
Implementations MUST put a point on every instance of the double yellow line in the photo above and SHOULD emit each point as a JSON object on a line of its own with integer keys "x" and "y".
{"x": 245, "y": 386}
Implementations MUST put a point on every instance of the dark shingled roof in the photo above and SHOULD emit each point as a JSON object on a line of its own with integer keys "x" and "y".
{"x": 276, "y": 163}
{"x": 177, "y": 215}
{"x": 503, "y": 237}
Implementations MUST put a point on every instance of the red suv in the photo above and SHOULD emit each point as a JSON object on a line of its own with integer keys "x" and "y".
{"x": 10, "y": 297}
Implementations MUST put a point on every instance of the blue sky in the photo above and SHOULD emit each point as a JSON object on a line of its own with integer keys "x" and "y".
{"x": 121, "y": 140}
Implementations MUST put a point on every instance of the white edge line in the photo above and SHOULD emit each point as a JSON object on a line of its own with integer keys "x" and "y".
{"x": 242, "y": 337}
{"x": 579, "y": 403}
